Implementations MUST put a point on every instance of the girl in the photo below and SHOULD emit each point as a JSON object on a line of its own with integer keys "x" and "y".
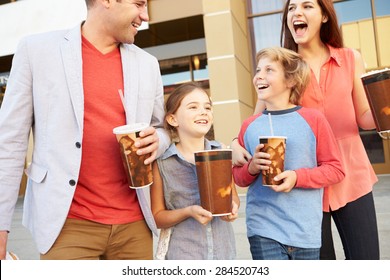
{"x": 174, "y": 194}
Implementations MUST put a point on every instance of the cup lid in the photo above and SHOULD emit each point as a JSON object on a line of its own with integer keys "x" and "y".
{"x": 130, "y": 128}
{"x": 214, "y": 150}
{"x": 374, "y": 72}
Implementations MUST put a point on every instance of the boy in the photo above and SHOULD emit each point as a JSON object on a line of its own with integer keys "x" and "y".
{"x": 284, "y": 221}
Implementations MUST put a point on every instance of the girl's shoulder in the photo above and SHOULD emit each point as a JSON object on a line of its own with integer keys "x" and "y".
{"x": 168, "y": 152}
{"x": 213, "y": 144}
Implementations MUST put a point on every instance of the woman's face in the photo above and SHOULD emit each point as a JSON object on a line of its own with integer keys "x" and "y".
{"x": 304, "y": 20}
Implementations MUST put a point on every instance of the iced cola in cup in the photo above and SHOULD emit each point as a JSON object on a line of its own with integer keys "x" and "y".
{"x": 138, "y": 174}
{"x": 276, "y": 147}
{"x": 214, "y": 172}
{"x": 377, "y": 87}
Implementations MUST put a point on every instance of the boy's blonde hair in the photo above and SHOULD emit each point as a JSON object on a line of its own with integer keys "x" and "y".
{"x": 295, "y": 69}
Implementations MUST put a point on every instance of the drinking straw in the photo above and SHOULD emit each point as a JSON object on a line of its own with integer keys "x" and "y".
{"x": 270, "y": 124}
{"x": 122, "y": 99}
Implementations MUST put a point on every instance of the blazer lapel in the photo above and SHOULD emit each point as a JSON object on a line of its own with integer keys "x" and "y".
{"x": 72, "y": 59}
{"x": 130, "y": 81}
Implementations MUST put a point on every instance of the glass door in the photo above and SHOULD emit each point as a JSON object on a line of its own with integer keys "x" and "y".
{"x": 378, "y": 150}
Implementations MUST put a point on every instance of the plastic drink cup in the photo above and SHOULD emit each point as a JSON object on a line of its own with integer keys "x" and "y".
{"x": 214, "y": 172}
{"x": 377, "y": 87}
{"x": 138, "y": 174}
{"x": 276, "y": 147}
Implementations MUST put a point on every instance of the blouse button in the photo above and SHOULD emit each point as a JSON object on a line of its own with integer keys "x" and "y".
{"x": 72, "y": 182}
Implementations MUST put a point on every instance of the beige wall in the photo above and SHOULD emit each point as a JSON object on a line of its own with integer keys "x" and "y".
{"x": 229, "y": 62}
{"x": 164, "y": 10}
{"x": 383, "y": 25}
{"x": 360, "y": 35}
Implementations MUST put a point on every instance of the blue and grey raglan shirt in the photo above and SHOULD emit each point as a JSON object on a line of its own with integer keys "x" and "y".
{"x": 292, "y": 218}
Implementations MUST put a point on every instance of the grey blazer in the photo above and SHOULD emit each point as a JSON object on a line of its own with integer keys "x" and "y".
{"x": 45, "y": 93}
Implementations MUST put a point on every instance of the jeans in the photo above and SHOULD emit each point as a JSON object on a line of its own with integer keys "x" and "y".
{"x": 357, "y": 227}
{"x": 268, "y": 249}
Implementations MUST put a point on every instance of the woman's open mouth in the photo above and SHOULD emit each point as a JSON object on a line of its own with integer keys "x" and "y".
{"x": 300, "y": 27}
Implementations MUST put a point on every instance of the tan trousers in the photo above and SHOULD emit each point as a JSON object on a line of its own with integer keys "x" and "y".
{"x": 86, "y": 240}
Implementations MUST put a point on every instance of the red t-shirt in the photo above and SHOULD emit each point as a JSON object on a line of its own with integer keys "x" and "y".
{"x": 102, "y": 193}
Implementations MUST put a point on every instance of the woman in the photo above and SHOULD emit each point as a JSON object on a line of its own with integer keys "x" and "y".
{"x": 311, "y": 29}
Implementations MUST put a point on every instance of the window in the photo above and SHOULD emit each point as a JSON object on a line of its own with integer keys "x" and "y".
{"x": 179, "y": 70}
{"x": 265, "y": 6}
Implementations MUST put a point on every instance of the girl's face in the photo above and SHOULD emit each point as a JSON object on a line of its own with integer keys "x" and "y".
{"x": 194, "y": 116}
{"x": 271, "y": 85}
{"x": 304, "y": 20}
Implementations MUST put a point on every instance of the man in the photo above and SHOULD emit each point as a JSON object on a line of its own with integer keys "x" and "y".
{"x": 64, "y": 85}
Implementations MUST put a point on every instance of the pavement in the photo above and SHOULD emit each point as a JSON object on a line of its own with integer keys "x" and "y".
{"x": 20, "y": 241}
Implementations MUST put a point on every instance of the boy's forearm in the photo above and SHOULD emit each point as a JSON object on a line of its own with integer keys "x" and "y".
{"x": 242, "y": 177}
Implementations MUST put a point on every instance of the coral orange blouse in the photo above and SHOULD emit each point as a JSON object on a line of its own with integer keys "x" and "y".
{"x": 332, "y": 95}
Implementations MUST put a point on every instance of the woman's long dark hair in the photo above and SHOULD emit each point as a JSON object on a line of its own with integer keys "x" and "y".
{"x": 330, "y": 32}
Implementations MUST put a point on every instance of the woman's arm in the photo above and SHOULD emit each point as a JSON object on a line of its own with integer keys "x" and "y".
{"x": 363, "y": 113}
{"x": 166, "y": 218}
{"x": 240, "y": 156}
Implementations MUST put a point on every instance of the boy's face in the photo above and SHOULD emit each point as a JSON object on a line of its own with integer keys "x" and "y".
{"x": 271, "y": 85}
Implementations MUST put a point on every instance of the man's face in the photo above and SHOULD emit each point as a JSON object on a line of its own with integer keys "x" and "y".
{"x": 124, "y": 18}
